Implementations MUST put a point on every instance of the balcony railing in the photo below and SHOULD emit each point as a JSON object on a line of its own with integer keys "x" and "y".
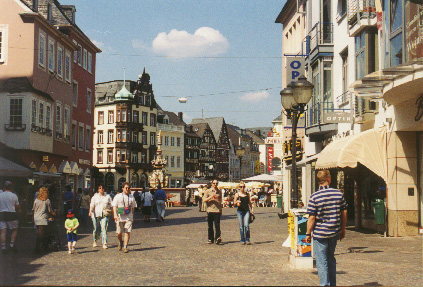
{"x": 317, "y": 111}
{"x": 320, "y": 34}
{"x": 360, "y": 9}
{"x": 344, "y": 99}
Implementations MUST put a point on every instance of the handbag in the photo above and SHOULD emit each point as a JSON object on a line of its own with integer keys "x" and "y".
{"x": 252, "y": 218}
{"x": 107, "y": 212}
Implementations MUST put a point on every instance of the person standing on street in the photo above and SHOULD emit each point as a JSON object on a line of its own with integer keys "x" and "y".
{"x": 9, "y": 207}
{"x": 213, "y": 199}
{"x": 160, "y": 197}
{"x": 123, "y": 210}
{"x": 100, "y": 210}
{"x": 68, "y": 199}
{"x": 245, "y": 206}
{"x": 146, "y": 199}
{"x": 84, "y": 207}
{"x": 327, "y": 210}
{"x": 42, "y": 211}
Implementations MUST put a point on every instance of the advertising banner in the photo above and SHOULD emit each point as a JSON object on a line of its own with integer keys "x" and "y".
{"x": 295, "y": 67}
{"x": 413, "y": 30}
{"x": 269, "y": 158}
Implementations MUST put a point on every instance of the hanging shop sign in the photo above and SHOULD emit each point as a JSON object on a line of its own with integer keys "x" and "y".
{"x": 295, "y": 67}
{"x": 337, "y": 117}
{"x": 413, "y": 31}
{"x": 269, "y": 158}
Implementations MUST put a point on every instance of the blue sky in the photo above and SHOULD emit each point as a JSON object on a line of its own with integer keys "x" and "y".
{"x": 220, "y": 55}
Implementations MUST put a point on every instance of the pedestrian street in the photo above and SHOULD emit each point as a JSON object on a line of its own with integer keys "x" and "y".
{"x": 174, "y": 252}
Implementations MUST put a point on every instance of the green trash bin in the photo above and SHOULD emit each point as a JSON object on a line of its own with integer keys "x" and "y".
{"x": 379, "y": 210}
{"x": 279, "y": 201}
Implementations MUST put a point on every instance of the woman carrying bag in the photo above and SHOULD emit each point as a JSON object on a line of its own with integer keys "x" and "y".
{"x": 100, "y": 210}
{"x": 244, "y": 203}
{"x": 42, "y": 211}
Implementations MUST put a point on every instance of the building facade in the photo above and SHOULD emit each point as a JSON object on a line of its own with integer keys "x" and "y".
{"x": 192, "y": 153}
{"x": 125, "y": 132}
{"x": 207, "y": 150}
{"x": 37, "y": 89}
{"x": 172, "y": 129}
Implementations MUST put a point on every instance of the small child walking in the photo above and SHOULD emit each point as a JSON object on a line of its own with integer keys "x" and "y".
{"x": 71, "y": 225}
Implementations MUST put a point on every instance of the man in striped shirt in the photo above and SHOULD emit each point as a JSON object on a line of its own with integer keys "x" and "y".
{"x": 327, "y": 212}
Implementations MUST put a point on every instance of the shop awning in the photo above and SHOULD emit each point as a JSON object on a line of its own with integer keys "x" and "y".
{"x": 9, "y": 168}
{"x": 65, "y": 167}
{"x": 263, "y": 177}
{"x": 367, "y": 148}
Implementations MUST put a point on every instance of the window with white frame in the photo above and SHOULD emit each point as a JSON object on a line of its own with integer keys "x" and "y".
{"x": 75, "y": 93}
{"x": 111, "y": 117}
{"x": 172, "y": 161}
{"x": 51, "y": 56}
{"x": 88, "y": 138}
{"x": 152, "y": 138}
{"x": 41, "y": 114}
{"x": 79, "y": 55}
{"x": 99, "y": 156}
{"x": 34, "y": 113}
{"x": 110, "y": 136}
{"x": 152, "y": 120}
{"x": 3, "y": 43}
{"x": 123, "y": 116}
{"x": 109, "y": 155}
{"x": 90, "y": 62}
{"x": 66, "y": 122}
{"x": 42, "y": 50}
{"x": 67, "y": 67}
{"x": 60, "y": 62}
{"x": 48, "y": 117}
{"x": 100, "y": 117}
{"x": 100, "y": 139}
{"x": 172, "y": 141}
{"x": 134, "y": 157}
{"x": 58, "y": 120}
{"x": 75, "y": 52}
{"x": 81, "y": 137}
{"x": 118, "y": 135}
{"x": 85, "y": 59}
{"x": 166, "y": 140}
{"x": 144, "y": 138}
{"x": 144, "y": 118}
{"x": 89, "y": 98}
{"x": 15, "y": 116}
{"x": 178, "y": 162}
{"x": 178, "y": 141}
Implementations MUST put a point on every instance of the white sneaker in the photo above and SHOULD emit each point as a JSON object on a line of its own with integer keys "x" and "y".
{"x": 105, "y": 246}
{"x": 95, "y": 244}
{"x": 70, "y": 251}
{"x": 73, "y": 251}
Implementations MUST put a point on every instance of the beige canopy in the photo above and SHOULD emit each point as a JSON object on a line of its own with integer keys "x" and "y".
{"x": 367, "y": 148}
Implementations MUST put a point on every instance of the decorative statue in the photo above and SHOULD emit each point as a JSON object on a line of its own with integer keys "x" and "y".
{"x": 159, "y": 167}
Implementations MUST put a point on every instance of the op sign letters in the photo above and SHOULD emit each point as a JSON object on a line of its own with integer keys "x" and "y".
{"x": 295, "y": 67}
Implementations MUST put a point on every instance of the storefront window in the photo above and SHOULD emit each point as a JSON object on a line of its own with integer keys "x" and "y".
{"x": 396, "y": 50}
{"x": 396, "y": 14}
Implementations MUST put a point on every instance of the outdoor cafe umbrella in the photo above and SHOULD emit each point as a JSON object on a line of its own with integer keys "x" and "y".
{"x": 262, "y": 177}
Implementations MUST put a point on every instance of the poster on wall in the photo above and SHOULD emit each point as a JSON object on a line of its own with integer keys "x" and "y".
{"x": 303, "y": 248}
{"x": 413, "y": 30}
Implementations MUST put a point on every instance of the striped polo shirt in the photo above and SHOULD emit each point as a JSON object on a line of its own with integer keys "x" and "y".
{"x": 326, "y": 204}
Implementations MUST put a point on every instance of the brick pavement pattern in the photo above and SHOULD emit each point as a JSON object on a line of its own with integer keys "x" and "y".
{"x": 175, "y": 253}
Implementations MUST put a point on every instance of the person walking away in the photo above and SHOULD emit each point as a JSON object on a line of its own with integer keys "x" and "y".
{"x": 242, "y": 200}
{"x": 203, "y": 204}
{"x": 100, "y": 211}
{"x": 147, "y": 199}
{"x": 123, "y": 211}
{"x": 68, "y": 199}
{"x": 213, "y": 199}
{"x": 84, "y": 207}
{"x": 77, "y": 202}
{"x": 42, "y": 211}
{"x": 137, "y": 197}
{"x": 9, "y": 208}
{"x": 160, "y": 198}
{"x": 71, "y": 225}
{"x": 197, "y": 198}
{"x": 327, "y": 210}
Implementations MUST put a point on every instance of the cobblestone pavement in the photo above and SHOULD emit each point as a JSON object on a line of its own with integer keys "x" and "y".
{"x": 175, "y": 253}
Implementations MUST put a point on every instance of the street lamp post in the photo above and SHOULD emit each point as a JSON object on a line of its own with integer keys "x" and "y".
{"x": 294, "y": 98}
{"x": 240, "y": 153}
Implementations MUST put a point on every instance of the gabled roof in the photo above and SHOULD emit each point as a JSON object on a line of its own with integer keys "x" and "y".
{"x": 200, "y": 128}
{"x": 257, "y": 139}
{"x": 21, "y": 84}
{"x": 174, "y": 119}
{"x": 189, "y": 132}
{"x": 233, "y": 135}
{"x": 216, "y": 125}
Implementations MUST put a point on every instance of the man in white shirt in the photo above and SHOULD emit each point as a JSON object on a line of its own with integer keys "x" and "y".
{"x": 9, "y": 207}
{"x": 123, "y": 211}
{"x": 146, "y": 199}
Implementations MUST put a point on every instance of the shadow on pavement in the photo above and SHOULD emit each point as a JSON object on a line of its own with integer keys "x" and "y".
{"x": 370, "y": 284}
{"x": 149, "y": 248}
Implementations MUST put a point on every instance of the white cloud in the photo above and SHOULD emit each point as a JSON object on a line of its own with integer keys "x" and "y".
{"x": 139, "y": 44}
{"x": 255, "y": 97}
{"x": 181, "y": 44}
{"x": 98, "y": 44}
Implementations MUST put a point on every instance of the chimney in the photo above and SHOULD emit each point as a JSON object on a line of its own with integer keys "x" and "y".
{"x": 180, "y": 116}
{"x": 35, "y": 5}
{"x": 258, "y": 132}
{"x": 70, "y": 12}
